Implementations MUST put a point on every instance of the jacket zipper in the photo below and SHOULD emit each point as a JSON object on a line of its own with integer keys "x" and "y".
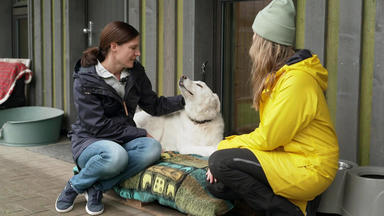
{"x": 125, "y": 108}
{"x": 115, "y": 94}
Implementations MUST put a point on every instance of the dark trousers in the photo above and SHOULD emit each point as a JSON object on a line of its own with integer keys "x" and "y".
{"x": 240, "y": 176}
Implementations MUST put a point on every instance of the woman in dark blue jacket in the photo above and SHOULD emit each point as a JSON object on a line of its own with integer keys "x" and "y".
{"x": 107, "y": 146}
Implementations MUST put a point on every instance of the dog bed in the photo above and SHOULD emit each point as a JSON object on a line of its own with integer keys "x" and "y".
{"x": 177, "y": 181}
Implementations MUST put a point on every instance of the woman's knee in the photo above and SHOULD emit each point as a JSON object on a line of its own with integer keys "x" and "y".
{"x": 146, "y": 151}
{"x": 152, "y": 151}
{"x": 115, "y": 160}
{"x": 215, "y": 161}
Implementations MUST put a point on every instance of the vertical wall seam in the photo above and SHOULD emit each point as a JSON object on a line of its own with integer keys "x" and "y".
{"x": 63, "y": 44}
{"x": 160, "y": 51}
{"x": 179, "y": 51}
{"x": 143, "y": 32}
{"x": 47, "y": 52}
{"x": 30, "y": 32}
{"x": 126, "y": 11}
{"x": 31, "y": 46}
{"x": 53, "y": 81}
{"x": 37, "y": 86}
{"x": 42, "y": 54}
{"x": 366, "y": 80}
{"x": 57, "y": 22}
{"x": 235, "y": 37}
{"x": 331, "y": 55}
{"x": 300, "y": 24}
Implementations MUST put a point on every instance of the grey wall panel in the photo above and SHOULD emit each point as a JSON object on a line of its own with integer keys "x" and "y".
{"x": 58, "y": 54}
{"x": 189, "y": 38}
{"x": 134, "y": 13}
{"x": 29, "y": 93}
{"x": 75, "y": 43}
{"x": 126, "y": 10}
{"x": 151, "y": 41}
{"x": 37, "y": 83}
{"x": 377, "y": 122}
{"x": 47, "y": 53}
{"x": 113, "y": 10}
{"x": 6, "y": 27}
{"x": 169, "y": 79}
{"x": 204, "y": 41}
{"x": 217, "y": 50}
{"x": 30, "y": 29}
{"x": 315, "y": 20}
{"x": 348, "y": 78}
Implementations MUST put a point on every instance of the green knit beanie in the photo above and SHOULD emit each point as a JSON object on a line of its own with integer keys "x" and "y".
{"x": 276, "y": 22}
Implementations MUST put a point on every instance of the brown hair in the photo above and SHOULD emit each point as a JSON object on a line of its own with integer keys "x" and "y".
{"x": 118, "y": 32}
{"x": 267, "y": 58}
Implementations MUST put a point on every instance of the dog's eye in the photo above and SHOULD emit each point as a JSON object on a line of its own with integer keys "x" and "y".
{"x": 199, "y": 85}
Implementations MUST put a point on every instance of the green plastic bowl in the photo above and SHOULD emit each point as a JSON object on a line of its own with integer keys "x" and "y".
{"x": 30, "y": 125}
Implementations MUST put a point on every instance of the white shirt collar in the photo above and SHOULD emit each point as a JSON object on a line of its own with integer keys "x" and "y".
{"x": 104, "y": 73}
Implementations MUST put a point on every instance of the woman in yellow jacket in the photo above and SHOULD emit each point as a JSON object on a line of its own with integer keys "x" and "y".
{"x": 292, "y": 156}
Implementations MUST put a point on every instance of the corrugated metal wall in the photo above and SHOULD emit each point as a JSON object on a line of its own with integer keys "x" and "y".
{"x": 50, "y": 86}
{"x": 376, "y": 87}
{"x": 348, "y": 37}
{"x": 168, "y": 44}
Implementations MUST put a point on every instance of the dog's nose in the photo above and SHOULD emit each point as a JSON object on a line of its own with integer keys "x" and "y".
{"x": 183, "y": 77}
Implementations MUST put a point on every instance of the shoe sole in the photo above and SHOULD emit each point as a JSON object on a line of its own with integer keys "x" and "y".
{"x": 93, "y": 213}
{"x": 86, "y": 207}
{"x": 63, "y": 210}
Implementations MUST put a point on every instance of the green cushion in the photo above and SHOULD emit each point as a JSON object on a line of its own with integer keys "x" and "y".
{"x": 177, "y": 181}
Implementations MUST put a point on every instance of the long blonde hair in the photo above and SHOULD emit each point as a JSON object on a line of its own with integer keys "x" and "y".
{"x": 267, "y": 58}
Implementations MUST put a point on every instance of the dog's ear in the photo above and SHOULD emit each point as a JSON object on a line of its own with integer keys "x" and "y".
{"x": 216, "y": 102}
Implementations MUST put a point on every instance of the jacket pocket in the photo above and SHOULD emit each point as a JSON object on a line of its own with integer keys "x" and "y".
{"x": 111, "y": 106}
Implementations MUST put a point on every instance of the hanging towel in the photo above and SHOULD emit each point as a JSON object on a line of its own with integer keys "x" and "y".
{"x": 9, "y": 74}
{"x": 25, "y": 61}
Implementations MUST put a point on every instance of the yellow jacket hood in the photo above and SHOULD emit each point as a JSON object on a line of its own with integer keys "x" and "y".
{"x": 304, "y": 61}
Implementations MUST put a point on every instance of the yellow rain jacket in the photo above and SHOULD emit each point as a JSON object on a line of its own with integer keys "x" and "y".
{"x": 295, "y": 142}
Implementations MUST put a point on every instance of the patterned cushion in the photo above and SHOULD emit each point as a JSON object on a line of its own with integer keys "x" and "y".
{"x": 177, "y": 181}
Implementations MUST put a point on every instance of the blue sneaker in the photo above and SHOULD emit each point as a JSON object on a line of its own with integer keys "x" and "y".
{"x": 94, "y": 205}
{"x": 64, "y": 203}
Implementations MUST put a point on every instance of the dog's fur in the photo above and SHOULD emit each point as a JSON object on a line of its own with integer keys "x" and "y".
{"x": 197, "y": 129}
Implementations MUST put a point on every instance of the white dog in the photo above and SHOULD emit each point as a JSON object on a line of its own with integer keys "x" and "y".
{"x": 197, "y": 129}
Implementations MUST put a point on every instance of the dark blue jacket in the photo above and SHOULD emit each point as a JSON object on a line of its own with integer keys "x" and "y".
{"x": 101, "y": 113}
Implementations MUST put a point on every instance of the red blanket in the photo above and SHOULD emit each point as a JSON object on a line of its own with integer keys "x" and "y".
{"x": 9, "y": 74}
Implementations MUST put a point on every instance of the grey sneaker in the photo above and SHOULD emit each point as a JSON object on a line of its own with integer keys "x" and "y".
{"x": 64, "y": 203}
{"x": 94, "y": 205}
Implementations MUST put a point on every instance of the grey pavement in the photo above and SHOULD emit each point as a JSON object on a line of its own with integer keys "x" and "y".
{"x": 31, "y": 178}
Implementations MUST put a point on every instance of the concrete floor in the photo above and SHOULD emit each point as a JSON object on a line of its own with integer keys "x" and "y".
{"x": 31, "y": 178}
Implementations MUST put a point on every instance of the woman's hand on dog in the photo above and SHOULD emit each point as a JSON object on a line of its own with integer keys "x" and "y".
{"x": 210, "y": 177}
{"x": 149, "y": 135}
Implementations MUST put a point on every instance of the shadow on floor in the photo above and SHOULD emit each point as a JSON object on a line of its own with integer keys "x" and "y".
{"x": 60, "y": 150}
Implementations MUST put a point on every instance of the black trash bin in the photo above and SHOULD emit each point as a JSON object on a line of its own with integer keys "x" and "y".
{"x": 17, "y": 97}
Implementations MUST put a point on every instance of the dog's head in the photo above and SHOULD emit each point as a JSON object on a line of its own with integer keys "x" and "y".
{"x": 200, "y": 102}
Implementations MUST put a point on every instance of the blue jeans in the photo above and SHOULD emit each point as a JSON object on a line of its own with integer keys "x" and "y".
{"x": 106, "y": 163}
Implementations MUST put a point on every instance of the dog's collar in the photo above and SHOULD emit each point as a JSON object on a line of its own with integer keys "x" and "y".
{"x": 199, "y": 122}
